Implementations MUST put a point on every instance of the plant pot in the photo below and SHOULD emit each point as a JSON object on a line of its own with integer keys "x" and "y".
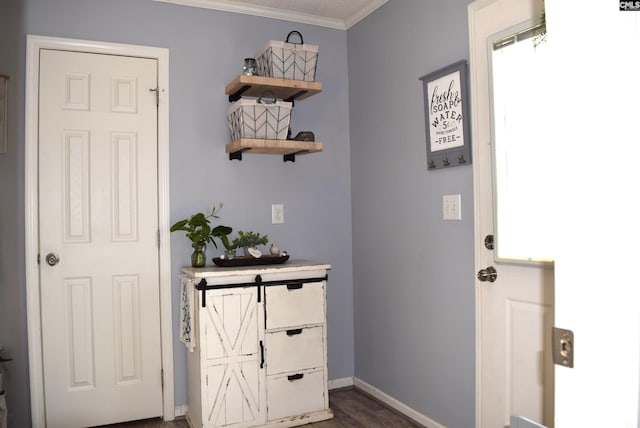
{"x": 198, "y": 257}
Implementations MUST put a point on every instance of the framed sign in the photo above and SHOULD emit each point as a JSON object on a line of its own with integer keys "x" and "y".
{"x": 447, "y": 120}
{"x": 3, "y": 112}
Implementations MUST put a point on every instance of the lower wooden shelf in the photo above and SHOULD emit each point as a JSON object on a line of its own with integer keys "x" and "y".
{"x": 288, "y": 148}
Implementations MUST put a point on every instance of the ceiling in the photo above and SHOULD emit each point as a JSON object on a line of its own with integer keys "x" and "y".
{"x": 340, "y": 14}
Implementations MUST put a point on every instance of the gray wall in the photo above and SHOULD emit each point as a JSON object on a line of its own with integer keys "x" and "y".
{"x": 413, "y": 272}
{"x": 13, "y": 319}
{"x": 206, "y": 52}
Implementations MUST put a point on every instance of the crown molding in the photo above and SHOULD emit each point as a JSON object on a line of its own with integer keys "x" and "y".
{"x": 268, "y": 12}
{"x": 363, "y": 13}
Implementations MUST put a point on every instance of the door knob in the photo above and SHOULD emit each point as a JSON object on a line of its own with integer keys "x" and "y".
{"x": 52, "y": 259}
{"x": 489, "y": 274}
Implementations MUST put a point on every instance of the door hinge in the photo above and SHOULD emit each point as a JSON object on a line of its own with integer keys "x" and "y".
{"x": 157, "y": 91}
{"x": 563, "y": 346}
{"x": 162, "y": 378}
{"x": 38, "y": 258}
{"x": 158, "y": 238}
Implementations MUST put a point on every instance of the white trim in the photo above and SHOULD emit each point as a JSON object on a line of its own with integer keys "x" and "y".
{"x": 34, "y": 332}
{"x": 340, "y": 383}
{"x": 478, "y": 195}
{"x": 363, "y": 13}
{"x": 399, "y": 406}
{"x": 181, "y": 410}
{"x": 285, "y": 15}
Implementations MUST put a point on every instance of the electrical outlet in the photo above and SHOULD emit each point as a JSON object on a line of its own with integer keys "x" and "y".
{"x": 277, "y": 214}
{"x": 451, "y": 207}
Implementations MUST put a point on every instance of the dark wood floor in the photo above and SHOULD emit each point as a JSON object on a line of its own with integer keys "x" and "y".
{"x": 351, "y": 407}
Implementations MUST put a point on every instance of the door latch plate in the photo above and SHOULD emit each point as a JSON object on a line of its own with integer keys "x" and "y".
{"x": 563, "y": 347}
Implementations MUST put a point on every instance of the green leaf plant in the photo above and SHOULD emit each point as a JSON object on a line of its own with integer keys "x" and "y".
{"x": 198, "y": 229}
{"x": 249, "y": 240}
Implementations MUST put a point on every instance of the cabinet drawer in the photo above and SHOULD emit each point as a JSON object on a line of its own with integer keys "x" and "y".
{"x": 295, "y": 394}
{"x": 294, "y": 304}
{"x": 295, "y": 349}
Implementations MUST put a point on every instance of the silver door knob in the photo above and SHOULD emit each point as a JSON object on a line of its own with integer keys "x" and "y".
{"x": 52, "y": 259}
{"x": 489, "y": 274}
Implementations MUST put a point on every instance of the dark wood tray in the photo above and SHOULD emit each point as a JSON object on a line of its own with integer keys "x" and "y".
{"x": 250, "y": 261}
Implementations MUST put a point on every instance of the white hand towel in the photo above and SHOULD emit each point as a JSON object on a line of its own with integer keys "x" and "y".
{"x": 186, "y": 306}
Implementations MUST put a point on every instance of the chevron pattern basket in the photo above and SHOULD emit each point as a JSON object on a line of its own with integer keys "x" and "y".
{"x": 258, "y": 119}
{"x": 288, "y": 60}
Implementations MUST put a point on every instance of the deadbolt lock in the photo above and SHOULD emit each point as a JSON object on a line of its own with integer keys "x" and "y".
{"x": 489, "y": 242}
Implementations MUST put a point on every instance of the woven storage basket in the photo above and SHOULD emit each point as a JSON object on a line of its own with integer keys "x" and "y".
{"x": 259, "y": 119}
{"x": 288, "y": 60}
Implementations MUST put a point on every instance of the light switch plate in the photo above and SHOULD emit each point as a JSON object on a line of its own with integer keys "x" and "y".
{"x": 451, "y": 207}
{"x": 277, "y": 214}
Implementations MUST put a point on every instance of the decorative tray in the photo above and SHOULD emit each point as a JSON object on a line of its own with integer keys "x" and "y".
{"x": 250, "y": 261}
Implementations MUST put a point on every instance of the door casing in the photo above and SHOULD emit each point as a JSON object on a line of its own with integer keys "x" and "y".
{"x": 34, "y": 332}
{"x": 483, "y": 200}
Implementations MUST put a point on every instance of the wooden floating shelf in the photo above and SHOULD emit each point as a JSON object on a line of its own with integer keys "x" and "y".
{"x": 285, "y": 89}
{"x": 288, "y": 148}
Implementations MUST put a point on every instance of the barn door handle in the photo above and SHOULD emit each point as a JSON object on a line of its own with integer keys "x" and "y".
{"x": 261, "y": 354}
{"x": 52, "y": 259}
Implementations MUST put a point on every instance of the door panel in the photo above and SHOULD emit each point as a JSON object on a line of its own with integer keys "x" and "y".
{"x": 597, "y": 292}
{"x": 514, "y": 313}
{"x": 232, "y": 358}
{"x": 98, "y": 210}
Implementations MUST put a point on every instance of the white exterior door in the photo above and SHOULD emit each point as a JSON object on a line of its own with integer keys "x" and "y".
{"x": 98, "y": 214}
{"x": 232, "y": 358}
{"x": 514, "y": 313}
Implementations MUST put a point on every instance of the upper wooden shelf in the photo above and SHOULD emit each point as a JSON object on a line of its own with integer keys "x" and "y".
{"x": 285, "y": 89}
{"x": 288, "y": 148}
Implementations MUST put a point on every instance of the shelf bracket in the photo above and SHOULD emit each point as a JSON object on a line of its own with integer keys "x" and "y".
{"x": 237, "y": 154}
{"x": 238, "y": 94}
{"x": 296, "y": 95}
{"x": 291, "y": 157}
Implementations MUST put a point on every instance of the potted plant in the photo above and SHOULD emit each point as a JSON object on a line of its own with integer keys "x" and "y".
{"x": 198, "y": 230}
{"x": 222, "y": 233}
{"x": 247, "y": 240}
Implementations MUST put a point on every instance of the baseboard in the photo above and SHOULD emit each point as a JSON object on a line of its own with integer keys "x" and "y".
{"x": 181, "y": 410}
{"x": 399, "y": 406}
{"x": 340, "y": 383}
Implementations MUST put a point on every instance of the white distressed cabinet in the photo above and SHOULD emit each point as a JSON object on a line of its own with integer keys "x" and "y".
{"x": 260, "y": 354}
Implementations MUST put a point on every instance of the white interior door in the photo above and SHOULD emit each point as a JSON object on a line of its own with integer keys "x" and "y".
{"x": 514, "y": 313}
{"x": 98, "y": 213}
{"x": 597, "y": 286}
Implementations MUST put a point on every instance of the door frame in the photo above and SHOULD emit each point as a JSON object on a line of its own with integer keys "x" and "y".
{"x": 34, "y": 331}
{"x": 478, "y": 198}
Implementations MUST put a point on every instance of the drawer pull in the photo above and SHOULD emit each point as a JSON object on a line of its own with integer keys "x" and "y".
{"x": 294, "y": 331}
{"x": 293, "y": 377}
{"x": 294, "y": 286}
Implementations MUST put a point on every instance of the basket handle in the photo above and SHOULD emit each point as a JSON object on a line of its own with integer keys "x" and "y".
{"x": 266, "y": 93}
{"x": 299, "y": 35}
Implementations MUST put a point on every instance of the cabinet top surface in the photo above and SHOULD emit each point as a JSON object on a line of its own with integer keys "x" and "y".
{"x": 289, "y": 266}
